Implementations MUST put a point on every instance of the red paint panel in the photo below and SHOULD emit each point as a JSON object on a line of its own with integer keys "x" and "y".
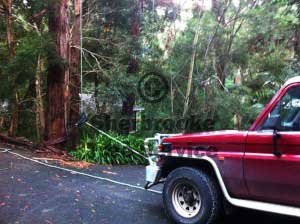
{"x": 227, "y": 150}
{"x": 270, "y": 178}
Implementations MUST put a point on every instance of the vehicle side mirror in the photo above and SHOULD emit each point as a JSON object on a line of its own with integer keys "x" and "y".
{"x": 274, "y": 123}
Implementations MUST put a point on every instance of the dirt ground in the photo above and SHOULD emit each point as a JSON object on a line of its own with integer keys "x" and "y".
{"x": 33, "y": 193}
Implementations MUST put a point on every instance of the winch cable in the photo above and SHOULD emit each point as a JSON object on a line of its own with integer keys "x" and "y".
{"x": 116, "y": 140}
{"x": 5, "y": 150}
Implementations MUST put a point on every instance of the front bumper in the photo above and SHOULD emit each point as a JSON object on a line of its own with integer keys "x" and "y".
{"x": 153, "y": 171}
{"x": 153, "y": 174}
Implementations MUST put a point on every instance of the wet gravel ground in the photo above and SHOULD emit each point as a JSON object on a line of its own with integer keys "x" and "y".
{"x": 32, "y": 193}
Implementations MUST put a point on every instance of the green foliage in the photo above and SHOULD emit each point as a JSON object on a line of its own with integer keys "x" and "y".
{"x": 263, "y": 52}
{"x": 102, "y": 150}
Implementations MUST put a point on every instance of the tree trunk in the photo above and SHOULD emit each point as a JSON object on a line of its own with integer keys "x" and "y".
{"x": 220, "y": 68}
{"x": 220, "y": 62}
{"x": 40, "y": 116}
{"x": 58, "y": 74}
{"x": 9, "y": 28}
{"x": 15, "y": 111}
{"x": 129, "y": 102}
{"x": 238, "y": 80}
{"x": 75, "y": 75}
{"x": 296, "y": 42}
{"x": 12, "y": 53}
{"x": 190, "y": 77}
{"x": 238, "y": 118}
{"x": 1, "y": 121}
{"x": 223, "y": 43}
{"x": 128, "y": 112}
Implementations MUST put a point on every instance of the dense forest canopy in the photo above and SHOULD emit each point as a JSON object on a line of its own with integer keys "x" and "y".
{"x": 147, "y": 65}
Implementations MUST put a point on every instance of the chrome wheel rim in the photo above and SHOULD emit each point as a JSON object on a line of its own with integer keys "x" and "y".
{"x": 186, "y": 200}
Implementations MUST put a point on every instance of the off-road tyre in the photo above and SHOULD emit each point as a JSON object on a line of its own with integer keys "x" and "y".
{"x": 192, "y": 181}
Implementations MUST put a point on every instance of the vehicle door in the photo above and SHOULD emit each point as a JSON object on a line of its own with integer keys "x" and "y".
{"x": 269, "y": 176}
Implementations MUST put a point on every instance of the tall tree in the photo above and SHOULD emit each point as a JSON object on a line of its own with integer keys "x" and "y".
{"x": 8, "y": 7}
{"x": 58, "y": 73}
{"x": 40, "y": 116}
{"x": 75, "y": 73}
{"x": 296, "y": 37}
{"x": 228, "y": 27}
{"x": 191, "y": 69}
{"x": 130, "y": 98}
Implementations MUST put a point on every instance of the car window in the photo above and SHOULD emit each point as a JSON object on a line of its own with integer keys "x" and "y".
{"x": 289, "y": 110}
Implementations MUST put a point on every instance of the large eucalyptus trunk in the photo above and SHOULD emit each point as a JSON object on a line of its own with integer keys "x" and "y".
{"x": 75, "y": 75}
{"x": 58, "y": 74}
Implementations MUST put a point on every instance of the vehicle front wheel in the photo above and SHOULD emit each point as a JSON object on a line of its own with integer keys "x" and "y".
{"x": 191, "y": 196}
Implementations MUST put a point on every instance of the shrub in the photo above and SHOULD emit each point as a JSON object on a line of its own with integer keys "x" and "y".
{"x": 102, "y": 150}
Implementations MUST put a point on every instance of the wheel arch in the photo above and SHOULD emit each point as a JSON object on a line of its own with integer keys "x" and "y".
{"x": 172, "y": 163}
{"x": 243, "y": 203}
{"x": 205, "y": 164}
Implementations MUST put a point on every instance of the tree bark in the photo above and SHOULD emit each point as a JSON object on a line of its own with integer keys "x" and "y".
{"x": 220, "y": 66}
{"x": 40, "y": 116}
{"x": 190, "y": 77}
{"x": 238, "y": 118}
{"x": 191, "y": 70}
{"x": 9, "y": 28}
{"x": 15, "y": 111}
{"x": 128, "y": 113}
{"x": 12, "y": 53}
{"x": 296, "y": 41}
{"x": 58, "y": 74}
{"x": 75, "y": 75}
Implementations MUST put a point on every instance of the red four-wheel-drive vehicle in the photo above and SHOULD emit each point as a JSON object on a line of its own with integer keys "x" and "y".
{"x": 203, "y": 173}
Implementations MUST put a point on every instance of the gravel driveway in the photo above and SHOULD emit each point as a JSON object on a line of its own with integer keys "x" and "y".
{"x": 33, "y": 193}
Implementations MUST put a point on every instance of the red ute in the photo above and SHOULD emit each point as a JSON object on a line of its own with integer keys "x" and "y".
{"x": 256, "y": 169}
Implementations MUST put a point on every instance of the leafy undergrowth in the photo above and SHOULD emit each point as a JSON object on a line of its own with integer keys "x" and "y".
{"x": 102, "y": 150}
